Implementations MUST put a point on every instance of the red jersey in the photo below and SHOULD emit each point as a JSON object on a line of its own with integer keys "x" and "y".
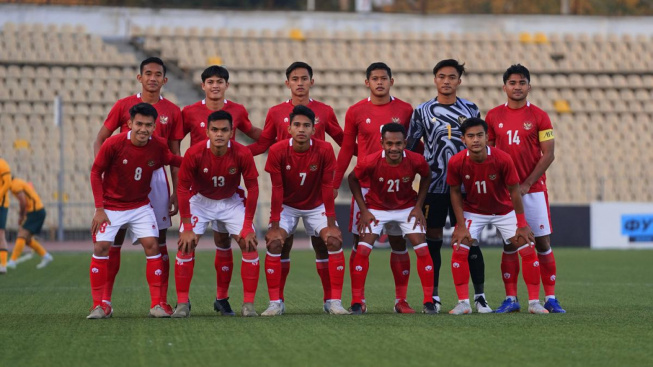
{"x": 212, "y": 176}
{"x": 363, "y": 123}
{"x": 277, "y": 122}
{"x": 127, "y": 171}
{"x": 168, "y": 122}
{"x": 391, "y": 187}
{"x": 519, "y": 133}
{"x": 194, "y": 119}
{"x": 486, "y": 184}
{"x": 304, "y": 180}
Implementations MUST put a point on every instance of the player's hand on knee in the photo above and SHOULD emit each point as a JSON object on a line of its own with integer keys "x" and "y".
{"x": 173, "y": 206}
{"x": 525, "y": 235}
{"x": 275, "y": 234}
{"x": 419, "y": 218}
{"x": 365, "y": 222}
{"x": 331, "y": 232}
{"x": 247, "y": 240}
{"x": 99, "y": 219}
{"x": 460, "y": 236}
{"x": 187, "y": 242}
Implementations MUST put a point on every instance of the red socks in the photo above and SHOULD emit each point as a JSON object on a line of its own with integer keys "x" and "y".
{"x": 113, "y": 266}
{"x": 548, "y": 272}
{"x": 163, "y": 249}
{"x": 424, "y": 270}
{"x": 184, "y": 267}
{"x": 154, "y": 274}
{"x": 322, "y": 266}
{"x": 98, "y": 275}
{"x": 224, "y": 265}
{"x": 249, "y": 272}
{"x": 460, "y": 271}
{"x": 360, "y": 265}
{"x": 336, "y": 273}
{"x": 273, "y": 275}
{"x": 285, "y": 269}
{"x": 510, "y": 272}
{"x": 400, "y": 266}
{"x": 530, "y": 271}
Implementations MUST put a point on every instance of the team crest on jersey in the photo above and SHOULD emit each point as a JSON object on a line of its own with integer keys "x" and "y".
{"x": 317, "y": 120}
{"x": 206, "y": 170}
{"x": 528, "y": 125}
{"x": 232, "y": 170}
{"x": 466, "y": 177}
{"x": 150, "y": 163}
{"x": 163, "y": 120}
{"x": 288, "y": 168}
{"x": 368, "y": 121}
{"x": 202, "y": 124}
{"x": 405, "y": 179}
{"x": 493, "y": 177}
{"x": 396, "y": 120}
{"x": 380, "y": 179}
{"x": 501, "y": 125}
{"x": 124, "y": 161}
{"x": 461, "y": 119}
{"x": 313, "y": 167}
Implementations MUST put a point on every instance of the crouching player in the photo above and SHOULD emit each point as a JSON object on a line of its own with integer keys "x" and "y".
{"x": 120, "y": 178}
{"x": 492, "y": 186}
{"x": 207, "y": 192}
{"x": 391, "y": 199}
{"x": 298, "y": 167}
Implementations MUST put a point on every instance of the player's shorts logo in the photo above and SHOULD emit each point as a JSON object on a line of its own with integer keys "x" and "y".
{"x": 206, "y": 170}
{"x": 124, "y": 161}
{"x": 163, "y": 120}
{"x": 313, "y": 167}
{"x": 150, "y": 163}
{"x": 405, "y": 179}
{"x": 493, "y": 177}
{"x": 541, "y": 226}
{"x": 506, "y": 275}
{"x": 528, "y": 125}
{"x": 461, "y": 119}
{"x": 232, "y": 170}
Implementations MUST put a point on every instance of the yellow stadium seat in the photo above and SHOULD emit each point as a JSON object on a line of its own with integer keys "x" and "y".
{"x": 525, "y": 37}
{"x": 561, "y": 106}
{"x": 541, "y": 38}
{"x": 215, "y": 60}
{"x": 21, "y": 144}
{"x": 297, "y": 34}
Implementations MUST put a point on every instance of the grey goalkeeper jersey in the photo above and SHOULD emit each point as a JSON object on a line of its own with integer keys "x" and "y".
{"x": 439, "y": 126}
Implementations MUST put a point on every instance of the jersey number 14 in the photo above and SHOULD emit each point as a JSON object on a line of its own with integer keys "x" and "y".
{"x": 513, "y": 138}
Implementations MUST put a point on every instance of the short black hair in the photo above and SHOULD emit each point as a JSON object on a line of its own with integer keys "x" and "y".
{"x": 460, "y": 68}
{"x": 153, "y": 60}
{"x": 393, "y": 127}
{"x": 215, "y": 70}
{"x": 471, "y": 122}
{"x": 299, "y": 65}
{"x": 377, "y": 66}
{"x": 144, "y": 109}
{"x": 517, "y": 69}
{"x": 220, "y": 115}
{"x": 301, "y": 110}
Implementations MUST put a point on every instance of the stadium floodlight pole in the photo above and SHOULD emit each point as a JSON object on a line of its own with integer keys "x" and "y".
{"x": 58, "y": 122}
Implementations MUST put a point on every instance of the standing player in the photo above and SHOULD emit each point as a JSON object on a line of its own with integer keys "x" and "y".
{"x": 120, "y": 179}
{"x": 5, "y": 184}
{"x": 298, "y": 167}
{"x": 363, "y": 123}
{"x": 208, "y": 184}
{"x": 31, "y": 219}
{"x": 299, "y": 79}
{"x": 169, "y": 127}
{"x": 525, "y": 132}
{"x": 493, "y": 197}
{"x": 215, "y": 82}
{"x": 391, "y": 199}
{"x": 438, "y": 121}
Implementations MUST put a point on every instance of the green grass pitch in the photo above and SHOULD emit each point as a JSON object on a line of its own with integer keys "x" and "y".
{"x": 607, "y": 295}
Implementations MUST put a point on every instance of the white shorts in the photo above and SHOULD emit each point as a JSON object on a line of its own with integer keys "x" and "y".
{"x": 160, "y": 198}
{"x": 538, "y": 215}
{"x": 391, "y": 229}
{"x": 140, "y": 223}
{"x": 315, "y": 220}
{"x": 228, "y": 214}
{"x": 396, "y": 218}
{"x": 506, "y": 224}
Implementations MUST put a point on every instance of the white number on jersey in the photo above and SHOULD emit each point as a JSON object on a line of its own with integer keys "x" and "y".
{"x": 513, "y": 138}
{"x": 218, "y": 181}
{"x": 393, "y": 185}
{"x": 480, "y": 187}
{"x": 138, "y": 174}
{"x": 303, "y": 176}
